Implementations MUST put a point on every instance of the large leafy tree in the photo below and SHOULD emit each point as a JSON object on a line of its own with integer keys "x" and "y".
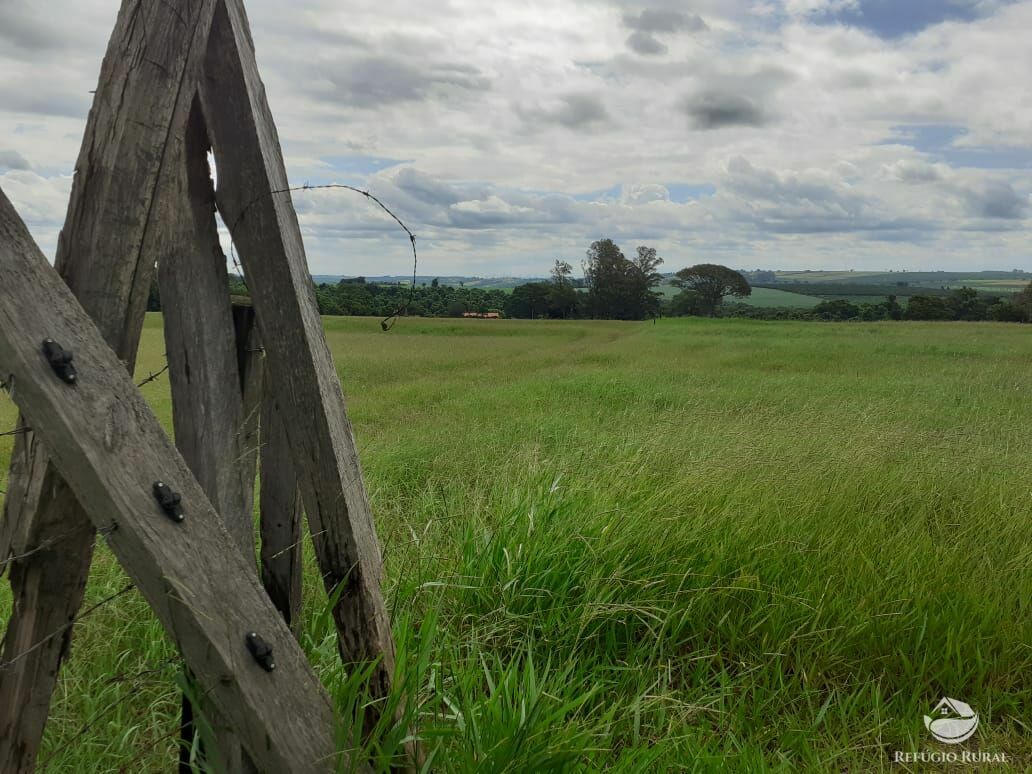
{"x": 620, "y": 288}
{"x": 712, "y": 283}
{"x": 644, "y": 277}
{"x": 530, "y": 300}
{"x": 563, "y": 299}
{"x": 1023, "y": 301}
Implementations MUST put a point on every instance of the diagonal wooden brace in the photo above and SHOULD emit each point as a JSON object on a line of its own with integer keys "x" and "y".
{"x": 300, "y": 374}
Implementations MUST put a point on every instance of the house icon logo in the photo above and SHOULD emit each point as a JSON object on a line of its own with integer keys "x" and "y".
{"x": 952, "y": 721}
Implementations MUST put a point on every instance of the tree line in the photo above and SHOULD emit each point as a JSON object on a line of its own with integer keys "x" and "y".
{"x": 962, "y": 304}
{"x": 615, "y": 287}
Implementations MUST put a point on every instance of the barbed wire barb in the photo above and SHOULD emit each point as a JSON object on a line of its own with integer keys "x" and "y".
{"x": 152, "y": 377}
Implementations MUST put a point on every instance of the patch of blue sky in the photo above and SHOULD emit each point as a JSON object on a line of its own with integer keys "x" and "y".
{"x": 362, "y": 165}
{"x": 348, "y": 170}
{"x": 939, "y": 142}
{"x": 893, "y": 19}
{"x": 606, "y": 194}
{"x": 679, "y": 192}
{"x": 686, "y": 192}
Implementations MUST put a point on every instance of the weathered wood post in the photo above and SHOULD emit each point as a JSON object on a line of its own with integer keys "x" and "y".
{"x": 281, "y": 510}
{"x": 106, "y": 256}
{"x": 142, "y": 195}
{"x": 301, "y": 374}
{"x": 200, "y": 344}
{"x": 280, "y": 500}
{"x": 111, "y": 450}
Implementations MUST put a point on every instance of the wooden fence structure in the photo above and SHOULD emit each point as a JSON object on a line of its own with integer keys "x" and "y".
{"x": 252, "y": 386}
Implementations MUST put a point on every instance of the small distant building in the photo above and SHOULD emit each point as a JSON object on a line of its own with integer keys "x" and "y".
{"x": 483, "y": 315}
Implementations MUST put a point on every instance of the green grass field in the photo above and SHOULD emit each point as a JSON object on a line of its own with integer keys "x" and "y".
{"x": 774, "y": 297}
{"x": 758, "y": 297}
{"x": 1005, "y": 281}
{"x": 699, "y": 545}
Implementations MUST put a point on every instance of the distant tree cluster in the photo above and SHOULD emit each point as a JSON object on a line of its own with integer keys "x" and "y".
{"x": 619, "y": 288}
{"x": 961, "y": 304}
{"x": 355, "y": 296}
{"x": 615, "y": 287}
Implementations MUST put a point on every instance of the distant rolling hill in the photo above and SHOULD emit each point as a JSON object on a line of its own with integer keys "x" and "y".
{"x": 760, "y": 297}
{"x": 987, "y": 280}
{"x": 773, "y": 297}
{"x": 487, "y": 283}
{"x": 798, "y": 289}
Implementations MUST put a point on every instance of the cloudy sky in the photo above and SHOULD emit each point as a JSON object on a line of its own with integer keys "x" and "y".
{"x": 836, "y": 134}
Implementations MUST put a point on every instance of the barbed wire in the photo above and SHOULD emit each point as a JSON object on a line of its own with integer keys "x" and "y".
{"x": 152, "y": 377}
{"x": 43, "y": 546}
{"x": 65, "y": 627}
{"x": 387, "y": 322}
{"x": 134, "y": 679}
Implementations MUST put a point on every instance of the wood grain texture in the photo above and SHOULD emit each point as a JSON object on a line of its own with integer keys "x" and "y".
{"x": 280, "y": 512}
{"x": 110, "y": 449}
{"x": 105, "y": 256}
{"x": 200, "y": 344}
{"x": 200, "y": 340}
{"x": 48, "y": 589}
{"x": 302, "y": 377}
{"x": 250, "y": 358}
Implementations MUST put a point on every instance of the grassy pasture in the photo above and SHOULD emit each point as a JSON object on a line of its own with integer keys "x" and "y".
{"x": 760, "y": 297}
{"x": 989, "y": 280}
{"x": 1001, "y": 285}
{"x": 701, "y": 545}
{"x": 774, "y": 297}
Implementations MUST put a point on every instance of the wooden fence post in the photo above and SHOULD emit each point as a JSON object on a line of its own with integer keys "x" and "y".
{"x": 280, "y": 511}
{"x": 111, "y": 450}
{"x": 105, "y": 256}
{"x": 200, "y": 343}
{"x": 141, "y": 194}
{"x": 304, "y": 382}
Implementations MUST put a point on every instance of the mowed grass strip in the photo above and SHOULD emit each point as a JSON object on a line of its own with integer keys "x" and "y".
{"x": 700, "y": 544}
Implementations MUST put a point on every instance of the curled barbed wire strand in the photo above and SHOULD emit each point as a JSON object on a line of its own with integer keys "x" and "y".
{"x": 388, "y": 322}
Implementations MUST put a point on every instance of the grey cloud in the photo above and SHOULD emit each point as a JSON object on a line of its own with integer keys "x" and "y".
{"x": 581, "y": 110}
{"x": 372, "y": 81}
{"x": 649, "y": 23}
{"x": 915, "y": 171}
{"x": 433, "y": 191}
{"x": 12, "y": 160}
{"x": 645, "y": 44}
{"x": 19, "y": 98}
{"x": 804, "y": 203}
{"x": 659, "y": 20}
{"x": 728, "y": 98}
{"x": 575, "y": 111}
{"x": 997, "y": 200}
{"x": 715, "y": 110}
{"x": 27, "y": 27}
{"x": 34, "y": 31}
